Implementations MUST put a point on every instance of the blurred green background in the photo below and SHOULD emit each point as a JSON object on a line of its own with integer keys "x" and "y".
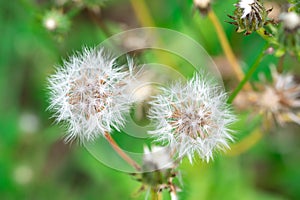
{"x": 35, "y": 163}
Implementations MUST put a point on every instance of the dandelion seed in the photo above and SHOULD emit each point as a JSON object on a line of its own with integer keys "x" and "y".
{"x": 88, "y": 93}
{"x": 192, "y": 118}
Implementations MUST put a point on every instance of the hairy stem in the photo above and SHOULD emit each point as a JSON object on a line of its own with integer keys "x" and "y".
{"x": 226, "y": 47}
{"x": 121, "y": 153}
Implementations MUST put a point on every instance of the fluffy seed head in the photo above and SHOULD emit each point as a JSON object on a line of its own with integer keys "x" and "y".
{"x": 192, "y": 118}
{"x": 88, "y": 93}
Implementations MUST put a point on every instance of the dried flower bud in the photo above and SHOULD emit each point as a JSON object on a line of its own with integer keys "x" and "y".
{"x": 279, "y": 101}
{"x": 158, "y": 171}
{"x": 250, "y": 15}
{"x": 202, "y": 5}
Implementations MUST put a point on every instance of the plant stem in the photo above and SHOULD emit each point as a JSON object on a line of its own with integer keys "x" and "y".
{"x": 143, "y": 15}
{"x": 280, "y": 64}
{"x": 141, "y": 12}
{"x": 155, "y": 195}
{"x": 246, "y": 143}
{"x": 247, "y": 76}
{"x": 226, "y": 47}
{"x": 121, "y": 153}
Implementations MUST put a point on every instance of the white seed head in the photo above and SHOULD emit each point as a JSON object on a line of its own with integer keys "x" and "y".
{"x": 88, "y": 92}
{"x": 246, "y": 5}
{"x": 192, "y": 118}
{"x": 290, "y": 20}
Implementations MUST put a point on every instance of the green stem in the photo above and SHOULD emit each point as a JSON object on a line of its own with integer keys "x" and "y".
{"x": 247, "y": 76}
{"x": 154, "y": 194}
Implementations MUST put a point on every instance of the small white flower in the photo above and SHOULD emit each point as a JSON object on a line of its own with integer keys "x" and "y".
{"x": 290, "y": 20}
{"x": 246, "y": 5}
{"x": 192, "y": 118}
{"x": 88, "y": 92}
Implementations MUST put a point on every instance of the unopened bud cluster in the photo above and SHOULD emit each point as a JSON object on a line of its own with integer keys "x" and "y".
{"x": 250, "y": 16}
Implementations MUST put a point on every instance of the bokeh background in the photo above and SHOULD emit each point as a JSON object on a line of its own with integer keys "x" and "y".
{"x": 35, "y": 163}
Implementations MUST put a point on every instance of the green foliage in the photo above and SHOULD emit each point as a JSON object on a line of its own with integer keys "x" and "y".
{"x": 36, "y": 164}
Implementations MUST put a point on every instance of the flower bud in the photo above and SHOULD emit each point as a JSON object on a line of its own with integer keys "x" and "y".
{"x": 250, "y": 15}
{"x": 202, "y": 5}
{"x": 56, "y": 21}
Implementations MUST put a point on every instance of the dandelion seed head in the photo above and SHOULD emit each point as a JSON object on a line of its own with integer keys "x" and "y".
{"x": 192, "y": 118}
{"x": 88, "y": 93}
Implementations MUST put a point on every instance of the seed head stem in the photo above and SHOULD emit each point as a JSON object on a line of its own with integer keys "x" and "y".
{"x": 121, "y": 153}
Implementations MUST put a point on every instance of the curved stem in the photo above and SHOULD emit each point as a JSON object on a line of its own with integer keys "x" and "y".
{"x": 121, "y": 153}
{"x": 246, "y": 143}
{"x": 141, "y": 12}
{"x": 226, "y": 47}
{"x": 247, "y": 76}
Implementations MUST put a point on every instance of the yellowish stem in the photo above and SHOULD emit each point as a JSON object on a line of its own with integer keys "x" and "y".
{"x": 246, "y": 143}
{"x": 154, "y": 195}
{"x": 121, "y": 153}
{"x": 226, "y": 47}
{"x": 143, "y": 15}
{"x": 141, "y": 12}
